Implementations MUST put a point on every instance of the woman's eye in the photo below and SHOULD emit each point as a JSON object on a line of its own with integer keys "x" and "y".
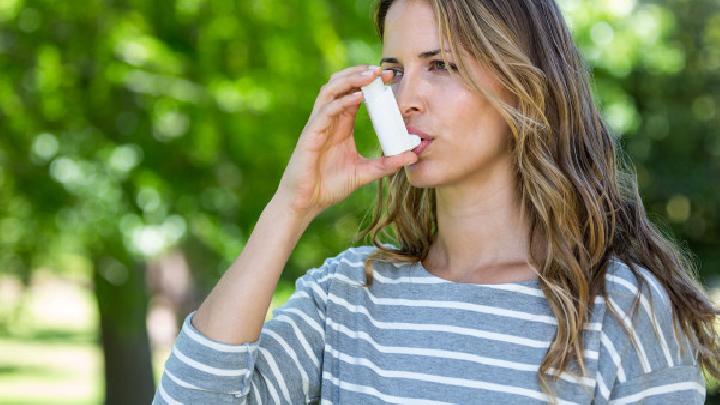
{"x": 435, "y": 65}
{"x": 442, "y": 65}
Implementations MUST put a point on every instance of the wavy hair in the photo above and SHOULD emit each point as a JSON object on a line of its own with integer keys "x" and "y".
{"x": 578, "y": 189}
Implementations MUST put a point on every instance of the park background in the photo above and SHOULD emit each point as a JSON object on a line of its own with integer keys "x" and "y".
{"x": 140, "y": 140}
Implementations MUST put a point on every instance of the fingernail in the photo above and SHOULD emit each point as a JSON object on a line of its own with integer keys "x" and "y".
{"x": 370, "y": 71}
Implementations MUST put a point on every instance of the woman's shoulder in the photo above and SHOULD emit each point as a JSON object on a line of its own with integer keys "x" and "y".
{"x": 625, "y": 280}
{"x": 633, "y": 290}
{"x": 345, "y": 266}
{"x": 640, "y": 323}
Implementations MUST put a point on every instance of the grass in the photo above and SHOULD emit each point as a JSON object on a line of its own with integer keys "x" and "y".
{"x": 48, "y": 344}
{"x": 48, "y": 351}
{"x": 42, "y": 372}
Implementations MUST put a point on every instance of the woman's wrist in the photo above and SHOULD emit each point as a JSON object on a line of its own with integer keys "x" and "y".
{"x": 282, "y": 205}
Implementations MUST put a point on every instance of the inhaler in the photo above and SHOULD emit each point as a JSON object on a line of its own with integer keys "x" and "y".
{"x": 387, "y": 121}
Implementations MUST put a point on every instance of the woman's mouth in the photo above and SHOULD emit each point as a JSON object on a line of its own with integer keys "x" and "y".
{"x": 423, "y": 145}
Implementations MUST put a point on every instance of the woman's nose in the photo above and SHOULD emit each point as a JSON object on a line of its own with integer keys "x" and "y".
{"x": 407, "y": 94}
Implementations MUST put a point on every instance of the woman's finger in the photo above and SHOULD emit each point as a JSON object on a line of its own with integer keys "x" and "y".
{"x": 344, "y": 84}
{"x": 333, "y": 109}
{"x": 373, "y": 169}
{"x": 321, "y": 98}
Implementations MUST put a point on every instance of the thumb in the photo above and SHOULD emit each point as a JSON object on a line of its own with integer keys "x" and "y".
{"x": 374, "y": 169}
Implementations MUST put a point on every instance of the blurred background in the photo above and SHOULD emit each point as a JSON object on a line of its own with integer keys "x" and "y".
{"x": 140, "y": 140}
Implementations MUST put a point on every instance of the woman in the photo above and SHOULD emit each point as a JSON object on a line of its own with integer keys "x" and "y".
{"x": 525, "y": 269}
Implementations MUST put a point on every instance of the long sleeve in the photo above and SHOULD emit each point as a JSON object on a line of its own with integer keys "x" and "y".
{"x": 674, "y": 385}
{"x": 282, "y": 366}
{"x": 644, "y": 356}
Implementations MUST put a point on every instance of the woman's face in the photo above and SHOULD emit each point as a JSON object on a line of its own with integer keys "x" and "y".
{"x": 470, "y": 136}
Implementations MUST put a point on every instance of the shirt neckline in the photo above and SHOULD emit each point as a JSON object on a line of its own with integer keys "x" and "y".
{"x": 530, "y": 283}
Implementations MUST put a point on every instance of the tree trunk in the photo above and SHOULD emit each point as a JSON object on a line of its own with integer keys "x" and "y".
{"x": 122, "y": 306}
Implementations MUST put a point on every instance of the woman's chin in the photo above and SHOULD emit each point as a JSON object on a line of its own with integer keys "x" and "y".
{"x": 417, "y": 175}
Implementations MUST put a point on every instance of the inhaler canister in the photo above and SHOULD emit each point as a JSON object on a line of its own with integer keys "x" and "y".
{"x": 387, "y": 121}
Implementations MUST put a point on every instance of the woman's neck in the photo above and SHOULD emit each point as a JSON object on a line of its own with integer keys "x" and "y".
{"x": 481, "y": 231}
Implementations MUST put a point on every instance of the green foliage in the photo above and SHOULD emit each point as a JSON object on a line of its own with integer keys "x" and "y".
{"x": 128, "y": 128}
{"x": 154, "y": 123}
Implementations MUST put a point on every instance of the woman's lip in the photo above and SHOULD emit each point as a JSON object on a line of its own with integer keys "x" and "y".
{"x": 421, "y": 134}
{"x": 418, "y": 150}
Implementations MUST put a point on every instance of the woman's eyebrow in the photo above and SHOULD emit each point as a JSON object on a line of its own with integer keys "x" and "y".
{"x": 421, "y": 55}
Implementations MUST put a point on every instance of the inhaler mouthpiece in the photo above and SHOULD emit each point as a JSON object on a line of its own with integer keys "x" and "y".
{"x": 387, "y": 121}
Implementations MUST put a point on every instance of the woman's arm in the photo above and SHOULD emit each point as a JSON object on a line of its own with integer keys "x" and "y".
{"x": 235, "y": 310}
{"x": 282, "y": 366}
{"x": 219, "y": 356}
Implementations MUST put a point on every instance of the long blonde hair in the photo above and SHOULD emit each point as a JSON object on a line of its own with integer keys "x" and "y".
{"x": 578, "y": 189}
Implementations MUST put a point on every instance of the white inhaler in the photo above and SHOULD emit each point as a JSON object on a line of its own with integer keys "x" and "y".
{"x": 387, "y": 121}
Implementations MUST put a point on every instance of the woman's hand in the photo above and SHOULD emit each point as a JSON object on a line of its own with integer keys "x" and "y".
{"x": 325, "y": 166}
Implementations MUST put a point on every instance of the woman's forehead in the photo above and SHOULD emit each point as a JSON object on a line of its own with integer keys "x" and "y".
{"x": 410, "y": 21}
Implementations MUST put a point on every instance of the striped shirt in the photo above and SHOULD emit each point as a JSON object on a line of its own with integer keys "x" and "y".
{"x": 413, "y": 337}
